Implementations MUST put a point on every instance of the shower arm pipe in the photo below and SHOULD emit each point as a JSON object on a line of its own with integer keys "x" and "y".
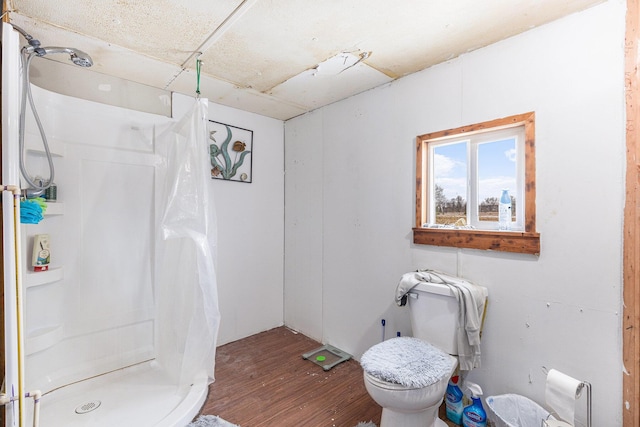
{"x": 28, "y": 37}
{"x": 15, "y": 190}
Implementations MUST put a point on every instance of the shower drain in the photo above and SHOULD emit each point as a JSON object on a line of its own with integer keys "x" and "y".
{"x": 88, "y": 407}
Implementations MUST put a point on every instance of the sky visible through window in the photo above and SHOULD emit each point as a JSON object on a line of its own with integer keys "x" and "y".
{"x": 496, "y": 168}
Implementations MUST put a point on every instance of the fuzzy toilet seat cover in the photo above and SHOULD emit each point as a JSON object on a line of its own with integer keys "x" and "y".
{"x": 407, "y": 361}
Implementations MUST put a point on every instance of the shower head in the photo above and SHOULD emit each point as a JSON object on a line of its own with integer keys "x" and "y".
{"x": 81, "y": 59}
{"x": 77, "y": 56}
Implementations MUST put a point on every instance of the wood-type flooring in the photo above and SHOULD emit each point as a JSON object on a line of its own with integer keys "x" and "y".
{"x": 263, "y": 381}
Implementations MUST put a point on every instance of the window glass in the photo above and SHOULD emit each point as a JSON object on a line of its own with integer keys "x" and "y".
{"x": 450, "y": 183}
{"x": 469, "y": 175}
{"x": 497, "y": 161}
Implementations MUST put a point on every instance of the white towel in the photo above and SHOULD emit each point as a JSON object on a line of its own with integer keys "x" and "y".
{"x": 471, "y": 301}
{"x": 211, "y": 421}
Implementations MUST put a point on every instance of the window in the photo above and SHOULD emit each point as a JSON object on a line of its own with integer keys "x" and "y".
{"x": 460, "y": 175}
{"x": 468, "y": 174}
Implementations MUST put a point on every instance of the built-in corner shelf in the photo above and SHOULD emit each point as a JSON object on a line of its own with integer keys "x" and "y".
{"x": 40, "y": 152}
{"x": 42, "y": 339}
{"x": 33, "y": 145}
{"x": 38, "y": 278}
{"x": 54, "y": 208}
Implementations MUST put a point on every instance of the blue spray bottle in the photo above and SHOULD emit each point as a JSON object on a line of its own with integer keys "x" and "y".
{"x": 474, "y": 415}
{"x": 453, "y": 400}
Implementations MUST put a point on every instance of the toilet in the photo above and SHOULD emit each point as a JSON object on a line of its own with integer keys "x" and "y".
{"x": 408, "y": 376}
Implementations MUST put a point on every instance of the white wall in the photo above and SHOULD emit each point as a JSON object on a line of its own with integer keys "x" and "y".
{"x": 250, "y": 230}
{"x": 350, "y": 207}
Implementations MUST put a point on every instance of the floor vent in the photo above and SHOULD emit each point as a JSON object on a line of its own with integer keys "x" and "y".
{"x": 88, "y": 407}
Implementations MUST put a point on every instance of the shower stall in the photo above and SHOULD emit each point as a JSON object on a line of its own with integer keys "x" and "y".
{"x": 121, "y": 330}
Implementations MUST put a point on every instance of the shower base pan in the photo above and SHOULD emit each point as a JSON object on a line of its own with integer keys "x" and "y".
{"x": 140, "y": 395}
{"x": 327, "y": 356}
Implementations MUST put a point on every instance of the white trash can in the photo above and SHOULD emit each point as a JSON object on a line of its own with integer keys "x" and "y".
{"x": 513, "y": 410}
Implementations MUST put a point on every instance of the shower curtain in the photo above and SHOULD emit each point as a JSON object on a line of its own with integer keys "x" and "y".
{"x": 187, "y": 316}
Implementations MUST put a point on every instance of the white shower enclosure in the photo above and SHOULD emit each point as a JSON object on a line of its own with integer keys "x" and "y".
{"x": 121, "y": 330}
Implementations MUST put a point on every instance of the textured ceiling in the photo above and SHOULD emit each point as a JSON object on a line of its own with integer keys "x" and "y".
{"x": 278, "y": 58}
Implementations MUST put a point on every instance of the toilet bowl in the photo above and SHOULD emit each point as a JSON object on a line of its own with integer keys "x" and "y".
{"x": 408, "y": 378}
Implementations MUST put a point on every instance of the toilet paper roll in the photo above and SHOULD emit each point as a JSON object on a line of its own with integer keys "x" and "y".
{"x": 561, "y": 394}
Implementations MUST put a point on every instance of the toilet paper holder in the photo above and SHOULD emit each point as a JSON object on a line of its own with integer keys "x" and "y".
{"x": 557, "y": 423}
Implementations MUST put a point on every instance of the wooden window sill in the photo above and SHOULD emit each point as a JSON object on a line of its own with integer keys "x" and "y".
{"x": 506, "y": 241}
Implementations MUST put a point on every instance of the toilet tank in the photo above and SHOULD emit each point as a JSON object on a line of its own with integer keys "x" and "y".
{"x": 434, "y": 315}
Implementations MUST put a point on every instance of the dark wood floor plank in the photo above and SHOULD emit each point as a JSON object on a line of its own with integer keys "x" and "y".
{"x": 263, "y": 381}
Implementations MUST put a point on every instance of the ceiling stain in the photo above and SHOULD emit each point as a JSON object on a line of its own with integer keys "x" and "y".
{"x": 256, "y": 54}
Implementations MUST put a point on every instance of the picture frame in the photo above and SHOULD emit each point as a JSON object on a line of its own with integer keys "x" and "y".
{"x": 230, "y": 152}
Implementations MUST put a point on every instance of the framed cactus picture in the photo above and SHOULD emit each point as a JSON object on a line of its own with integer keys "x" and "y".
{"x": 231, "y": 152}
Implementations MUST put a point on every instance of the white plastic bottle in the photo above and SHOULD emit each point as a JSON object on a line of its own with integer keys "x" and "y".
{"x": 504, "y": 211}
{"x": 41, "y": 252}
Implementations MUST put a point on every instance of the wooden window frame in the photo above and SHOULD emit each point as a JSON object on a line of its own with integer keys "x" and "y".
{"x": 631, "y": 271}
{"x": 527, "y": 241}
